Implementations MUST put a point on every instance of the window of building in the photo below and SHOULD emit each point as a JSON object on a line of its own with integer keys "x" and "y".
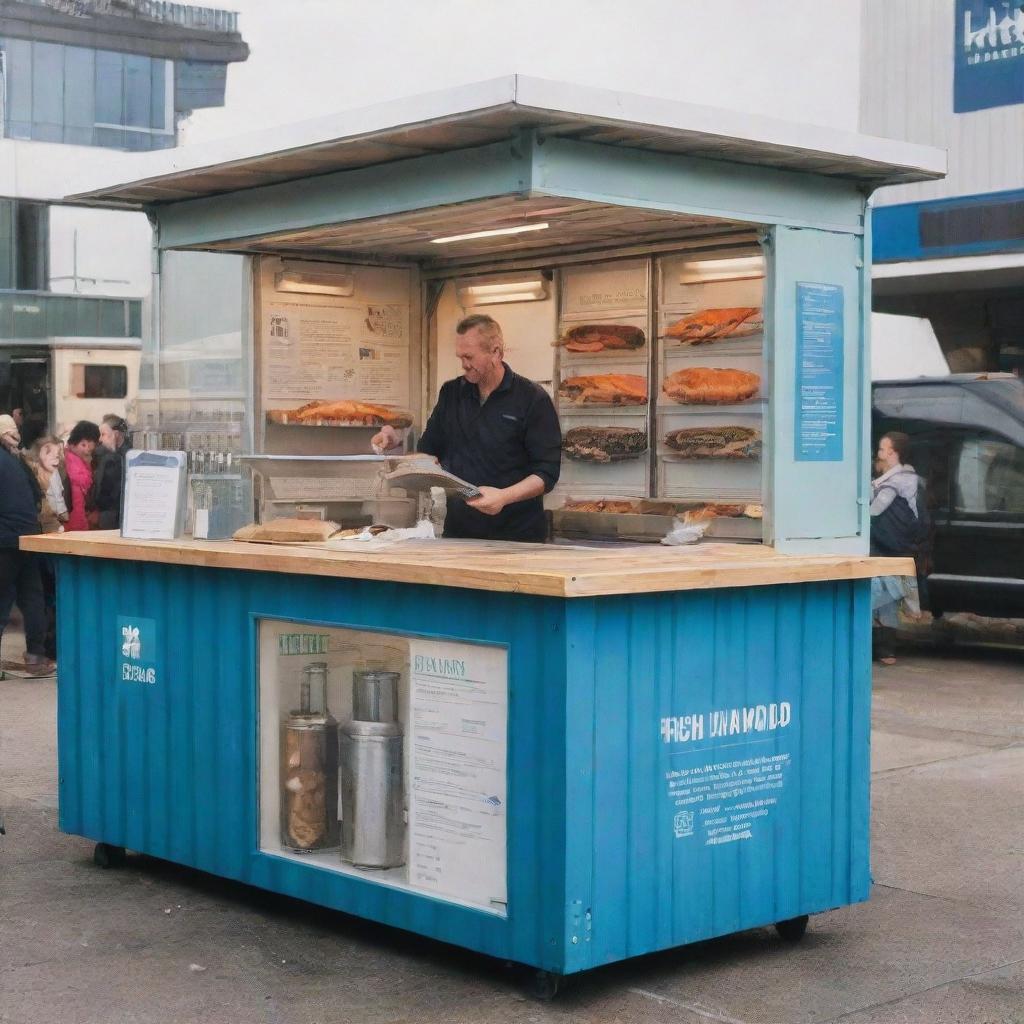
{"x": 88, "y": 381}
{"x": 87, "y": 97}
{"x": 990, "y": 477}
{"x": 24, "y": 245}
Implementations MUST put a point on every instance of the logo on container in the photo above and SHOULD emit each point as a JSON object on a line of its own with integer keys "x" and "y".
{"x": 138, "y": 639}
{"x": 131, "y": 644}
{"x": 682, "y": 824}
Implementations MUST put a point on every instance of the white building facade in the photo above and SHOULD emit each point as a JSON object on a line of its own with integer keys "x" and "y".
{"x": 85, "y": 87}
{"x": 950, "y": 73}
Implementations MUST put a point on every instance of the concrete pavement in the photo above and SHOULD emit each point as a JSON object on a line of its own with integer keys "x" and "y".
{"x": 940, "y": 941}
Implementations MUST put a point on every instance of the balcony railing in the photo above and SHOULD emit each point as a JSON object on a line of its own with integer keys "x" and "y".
{"x": 41, "y": 315}
{"x": 206, "y": 19}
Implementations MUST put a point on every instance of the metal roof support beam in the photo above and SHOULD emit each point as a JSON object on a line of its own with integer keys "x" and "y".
{"x": 708, "y": 188}
{"x": 418, "y": 183}
{"x": 528, "y": 164}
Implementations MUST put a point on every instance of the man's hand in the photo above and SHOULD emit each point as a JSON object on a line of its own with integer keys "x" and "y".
{"x": 491, "y": 501}
{"x": 387, "y": 437}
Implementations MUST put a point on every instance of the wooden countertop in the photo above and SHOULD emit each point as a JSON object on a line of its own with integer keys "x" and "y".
{"x": 546, "y": 569}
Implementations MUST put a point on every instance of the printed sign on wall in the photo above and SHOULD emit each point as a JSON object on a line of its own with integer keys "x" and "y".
{"x": 727, "y": 772}
{"x": 988, "y": 54}
{"x": 819, "y": 373}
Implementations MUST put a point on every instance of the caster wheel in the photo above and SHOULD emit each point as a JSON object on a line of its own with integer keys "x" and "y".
{"x": 544, "y": 985}
{"x": 107, "y": 856}
{"x": 793, "y": 929}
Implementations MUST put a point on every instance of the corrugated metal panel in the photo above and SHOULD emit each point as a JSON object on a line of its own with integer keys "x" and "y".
{"x": 171, "y": 770}
{"x": 907, "y": 93}
{"x": 634, "y": 660}
{"x": 594, "y": 871}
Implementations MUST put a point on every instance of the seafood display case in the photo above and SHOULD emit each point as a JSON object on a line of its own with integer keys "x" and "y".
{"x": 602, "y": 366}
{"x": 662, "y": 394}
{"x": 713, "y": 388}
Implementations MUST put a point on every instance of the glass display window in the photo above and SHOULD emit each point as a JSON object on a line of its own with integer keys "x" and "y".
{"x": 384, "y": 756}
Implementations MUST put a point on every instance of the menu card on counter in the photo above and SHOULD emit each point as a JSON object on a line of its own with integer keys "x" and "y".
{"x": 154, "y": 495}
{"x": 457, "y": 771}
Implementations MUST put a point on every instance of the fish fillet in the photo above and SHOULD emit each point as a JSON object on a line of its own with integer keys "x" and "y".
{"x": 705, "y": 385}
{"x": 605, "y": 389}
{"x": 716, "y": 324}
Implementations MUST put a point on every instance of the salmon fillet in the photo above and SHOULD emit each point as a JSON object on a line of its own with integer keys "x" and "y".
{"x": 343, "y": 411}
{"x": 605, "y": 389}
{"x": 602, "y": 337}
{"x": 716, "y": 324}
{"x": 705, "y": 385}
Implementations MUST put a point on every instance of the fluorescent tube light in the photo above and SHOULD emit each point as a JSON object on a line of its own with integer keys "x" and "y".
{"x": 491, "y": 233}
{"x": 522, "y": 288}
{"x": 736, "y": 268}
{"x": 311, "y": 282}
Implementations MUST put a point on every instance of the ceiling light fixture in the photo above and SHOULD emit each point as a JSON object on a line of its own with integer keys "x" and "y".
{"x": 522, "y": 288}
{"x": 309, "y": 282}
{"x": 491, "y": 233}
{"x": 736, "y": 268}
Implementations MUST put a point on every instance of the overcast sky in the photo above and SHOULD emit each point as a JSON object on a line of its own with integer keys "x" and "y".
{"x": 797, "y": 59}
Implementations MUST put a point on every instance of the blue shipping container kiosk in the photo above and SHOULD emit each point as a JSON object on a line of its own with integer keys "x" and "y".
{"x": 606, "y": 750}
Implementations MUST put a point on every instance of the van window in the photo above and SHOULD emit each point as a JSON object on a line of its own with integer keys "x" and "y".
{"x": 989, "y": 477}
{"x": 88, "y": 381}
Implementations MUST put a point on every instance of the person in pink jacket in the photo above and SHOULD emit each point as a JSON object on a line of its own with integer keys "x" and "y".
{"x": 81, "y": 444}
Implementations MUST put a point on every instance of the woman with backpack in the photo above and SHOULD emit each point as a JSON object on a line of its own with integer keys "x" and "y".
{"x": 898, "y": 529}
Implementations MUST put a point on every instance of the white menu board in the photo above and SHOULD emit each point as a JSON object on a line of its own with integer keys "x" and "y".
{"x": 323, "y": 352}
{"x": 458, "y": 742}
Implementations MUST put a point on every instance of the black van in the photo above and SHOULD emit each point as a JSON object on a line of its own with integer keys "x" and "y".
{"x": 967, "y": 432}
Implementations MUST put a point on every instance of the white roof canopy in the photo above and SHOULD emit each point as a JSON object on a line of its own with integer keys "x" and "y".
{"x": 486, "y": 112}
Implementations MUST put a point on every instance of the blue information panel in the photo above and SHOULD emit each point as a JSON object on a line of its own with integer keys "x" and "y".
{"x": 819, "y": 372}
{"x": 988, "y": 55}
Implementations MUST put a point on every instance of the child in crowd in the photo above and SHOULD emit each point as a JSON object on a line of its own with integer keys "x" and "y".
{"x": 45, "y": 459}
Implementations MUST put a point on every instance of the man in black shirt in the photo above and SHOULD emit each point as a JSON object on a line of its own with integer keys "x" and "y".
{"x": 495, "y": 429}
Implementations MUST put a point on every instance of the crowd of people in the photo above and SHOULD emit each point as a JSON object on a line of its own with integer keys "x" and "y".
{"x": 52, "y": 486}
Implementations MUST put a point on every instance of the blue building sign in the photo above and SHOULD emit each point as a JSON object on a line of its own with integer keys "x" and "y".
{"x": 988, "y": 54}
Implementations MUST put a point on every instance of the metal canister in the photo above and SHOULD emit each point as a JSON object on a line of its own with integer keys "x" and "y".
{"x": 375, "y": 696}
{"x": 309, "y": 768}
{"x": 372, "y": 829}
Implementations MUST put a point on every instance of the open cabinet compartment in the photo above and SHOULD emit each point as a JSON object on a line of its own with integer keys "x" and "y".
{"x": 442, "y": 778}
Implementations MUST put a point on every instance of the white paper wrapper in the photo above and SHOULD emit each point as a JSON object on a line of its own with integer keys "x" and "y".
{"x": 683, "y": 534}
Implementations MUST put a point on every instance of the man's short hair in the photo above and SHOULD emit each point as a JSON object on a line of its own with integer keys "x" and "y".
{"x": 117, "y": 423}
{"x": 490, "y": 330}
